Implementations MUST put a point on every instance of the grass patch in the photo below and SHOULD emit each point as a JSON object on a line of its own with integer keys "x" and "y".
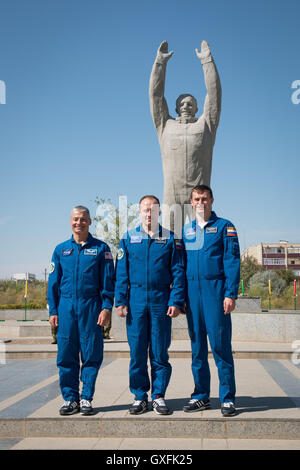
{"x": 12, "y": 295}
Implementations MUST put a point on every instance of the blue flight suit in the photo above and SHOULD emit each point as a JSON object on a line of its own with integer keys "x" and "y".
{"x": 80, "y": 286}
{"x": 150, "y": 277}
{"x": 213, "y": 273}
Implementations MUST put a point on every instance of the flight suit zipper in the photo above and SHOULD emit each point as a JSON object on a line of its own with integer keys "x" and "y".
{"x": 76, "y": 277}
{"x": 147, "y": 268}
{"x": 199, "y": 230}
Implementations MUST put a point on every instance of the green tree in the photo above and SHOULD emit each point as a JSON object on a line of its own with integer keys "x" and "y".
{"x": 249, "y": 267}
{"x": 286, "y": 274}
{"x": 112, "y": 222}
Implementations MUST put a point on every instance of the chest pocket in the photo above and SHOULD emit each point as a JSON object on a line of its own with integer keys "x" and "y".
{"x": 214, "y": 249}
{"x": 90, "y": 278}
{"x": 213, "y": 243}
{"x": 137, "y": 252}
{"x": 193, "y": 242}
{"x": 160, "y": 255}
{"x": 195, "y": 138}
{"x": 175, "y": 143}
{"x": 66, "y": 283}
{"x": 67, "y": 266}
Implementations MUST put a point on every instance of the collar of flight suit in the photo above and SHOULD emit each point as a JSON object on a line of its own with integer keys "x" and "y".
{"x": 212, "y": 219}
{"x": 86, "y": 243}
{"x": 158, "y": 232}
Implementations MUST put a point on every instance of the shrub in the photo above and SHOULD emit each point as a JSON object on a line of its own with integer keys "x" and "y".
{"x": 261, "y": 280}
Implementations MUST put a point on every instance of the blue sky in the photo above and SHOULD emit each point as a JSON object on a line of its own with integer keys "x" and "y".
{"x": 76, "y": 124}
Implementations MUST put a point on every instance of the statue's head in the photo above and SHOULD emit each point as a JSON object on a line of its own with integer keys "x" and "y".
{"x": 186, "y": 105}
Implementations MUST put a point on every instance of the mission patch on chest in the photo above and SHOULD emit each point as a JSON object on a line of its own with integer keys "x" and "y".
{"x": 211, "y": 230}
{"x": 91, "y": 251}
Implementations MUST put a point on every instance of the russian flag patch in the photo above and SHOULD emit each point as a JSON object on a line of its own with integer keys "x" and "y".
{"x": 178, "y": 244}
{"x": 231, "y": 232}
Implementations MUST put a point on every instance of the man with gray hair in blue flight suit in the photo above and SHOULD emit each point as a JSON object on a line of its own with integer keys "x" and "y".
{"x": 150, "y": 291}
{"x": 80, "y": 298}
{"x": 213, "y": 275}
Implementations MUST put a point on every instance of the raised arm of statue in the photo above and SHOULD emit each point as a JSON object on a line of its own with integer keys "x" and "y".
{"x": 158, "y": 105}
{"x": 212, "y": 104}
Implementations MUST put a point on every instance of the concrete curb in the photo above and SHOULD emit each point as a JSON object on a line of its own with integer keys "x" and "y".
{"x": 139, "y": 427}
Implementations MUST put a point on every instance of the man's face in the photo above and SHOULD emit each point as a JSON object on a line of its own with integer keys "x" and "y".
{"x": 80, "y": 222}
{"x": 202, "y": 203}
{"x": 149, "y": 212}
{"x": 187, "y": 107}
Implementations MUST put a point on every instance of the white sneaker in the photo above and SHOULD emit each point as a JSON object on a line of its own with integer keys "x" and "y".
{"x": 69, "y": 408}
{"x": 228, "y": 409}
{"x": 160, "y": 407}
{"x": 138, "y": 407}
{"x": 85, "y": 407}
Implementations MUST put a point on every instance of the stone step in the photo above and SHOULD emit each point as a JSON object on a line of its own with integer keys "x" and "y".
{"x": 45, "y": 354}
{"x": 19, "y": 329}
{"x": 151, "y": 427}
{"x": 268, "y": 404}
{"x": 249, "y": 323}
{"x": 30, "y": 340}
{"x": 41, "y": 347}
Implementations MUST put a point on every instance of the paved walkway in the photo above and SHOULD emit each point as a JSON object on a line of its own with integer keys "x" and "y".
{"x": 268, "y": 404}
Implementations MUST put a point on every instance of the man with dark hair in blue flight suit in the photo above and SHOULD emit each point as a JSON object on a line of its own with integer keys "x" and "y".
{"x": 213, "y": 275}
{"x": 80, "y": 298}
{"x": 150, "y": 291}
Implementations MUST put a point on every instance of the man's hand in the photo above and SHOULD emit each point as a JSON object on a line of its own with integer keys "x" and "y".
{"x": 162, "y": 53}
{"x": 173, "y": 312}
{"x": 205, "y": 51}
{"x": 122, "y": 311}
{"x": 229, "y": 305}
{"x": 53, "y": 320}
{"x": 104, "y": 317}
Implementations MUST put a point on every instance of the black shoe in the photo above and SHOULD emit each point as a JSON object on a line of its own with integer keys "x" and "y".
{"x": 86, "y": 407}
{"x": 138, "y": 407}
{"x": 228, "y": 409}
{"x": 196, "y": 405}
{"x": 69, "y": 408}
{"x": 160, "y": 407}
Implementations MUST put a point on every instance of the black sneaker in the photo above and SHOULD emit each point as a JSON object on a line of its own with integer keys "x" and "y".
{"x": 86, "y": 407}
{"x": 196, "y": 405}
{"x": 160, "y": 407}
{"x": 138, "y": 407}
{"x": 228, "y": 409}
{"x": 69, "y": 408}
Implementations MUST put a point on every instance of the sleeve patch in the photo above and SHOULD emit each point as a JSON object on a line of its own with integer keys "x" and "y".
{"x": 178, "y": 244}
{"x": 231, "y": 232}
{"x": 51, "y": 267}
{"x": 120, "y": 253}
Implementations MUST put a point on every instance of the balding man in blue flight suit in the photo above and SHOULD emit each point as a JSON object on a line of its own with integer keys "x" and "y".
{"x": 213, "y": 275}
{"x": 80, "y": 298}
{"x": 150, "y": 291}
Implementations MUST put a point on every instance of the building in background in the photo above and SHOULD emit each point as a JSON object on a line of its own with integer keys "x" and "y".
{"x": 281, "y": 255}
{"x": 24, "y": 277}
